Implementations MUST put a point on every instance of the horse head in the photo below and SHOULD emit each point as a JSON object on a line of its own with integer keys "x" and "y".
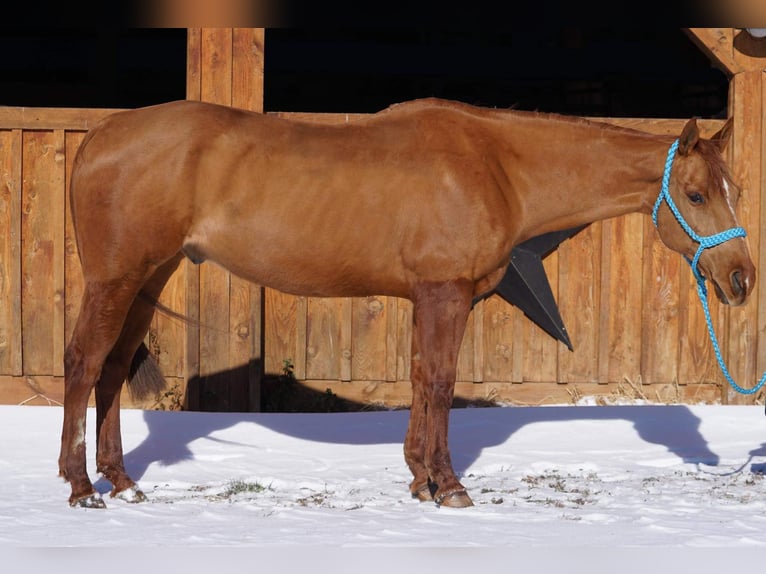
{"x": 695, "y": 213}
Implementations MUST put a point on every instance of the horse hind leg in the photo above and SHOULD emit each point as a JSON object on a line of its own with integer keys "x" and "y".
{"x": 119, "y": 364}
{"x": 102, "y": 314}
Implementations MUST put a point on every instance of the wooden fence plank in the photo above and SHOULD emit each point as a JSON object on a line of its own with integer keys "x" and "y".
{"x": 659, "y": 312}
{"x": 499, "y": 335}
{"x": 192, "y": 368}
{"x": 241, "y": 343}
{"x": 10, "y": 253}
{"x": 368, "y": 328}
{"x": 746, "y": 150}
{"x": 37, "y": 258}
{"x": 579, "y": 300}
{"x": 605, "y": 313}
{"x": 247, "y": 68}
{"x": 527, "y": 343}
{"x": 539, "y": 356}
{"x": 215, "y": 283}
{"x": 246, "y": 299}
{"x": 537, "y": 353}
{"x": 323, "y": 352}
{"x": 392, "y": 314}
{"x": 622, "y": 294}
{"x": 697, "y": 363}
{"x": 58, "y": 220}
{"x": 346, "y": 339}
{"x": 42, "y": 251}
{"x": 279, "y": 330}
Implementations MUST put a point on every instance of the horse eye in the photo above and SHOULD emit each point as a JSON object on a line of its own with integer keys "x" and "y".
{"x": 696, "y": 198}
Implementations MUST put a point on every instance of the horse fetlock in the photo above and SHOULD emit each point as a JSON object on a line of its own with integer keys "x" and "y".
{"x": 423, "y": 491}
{"x": 132, "y": 495}
{"x": 92, "y": 500}
{"x": 121, "y": 482}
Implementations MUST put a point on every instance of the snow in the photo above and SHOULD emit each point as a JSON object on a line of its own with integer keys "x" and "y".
{"x": 579, "y": 480}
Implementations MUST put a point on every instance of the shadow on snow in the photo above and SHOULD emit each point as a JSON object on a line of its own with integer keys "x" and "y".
{"x": 471, "y": 430}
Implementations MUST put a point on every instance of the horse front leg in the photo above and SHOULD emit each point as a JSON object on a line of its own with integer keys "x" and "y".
{"x": 440, "y": 314}
{"x": 415, "y": 441}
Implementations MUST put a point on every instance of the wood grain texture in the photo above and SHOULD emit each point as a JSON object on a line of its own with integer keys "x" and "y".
{"x": 580, "y": 302}
{"x": 659, "y": 313}
{"x": 746, "y": 101}
{"x": 10, "y": 253}
{"x": 42, "y": 252}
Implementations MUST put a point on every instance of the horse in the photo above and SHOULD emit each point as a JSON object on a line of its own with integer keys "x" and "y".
{"x": 424, "y": 200}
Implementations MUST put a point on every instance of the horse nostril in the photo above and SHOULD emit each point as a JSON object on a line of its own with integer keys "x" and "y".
{"x": 738, "y": 282}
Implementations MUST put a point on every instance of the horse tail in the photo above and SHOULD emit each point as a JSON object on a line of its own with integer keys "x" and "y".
{"x": 145, "y": 378}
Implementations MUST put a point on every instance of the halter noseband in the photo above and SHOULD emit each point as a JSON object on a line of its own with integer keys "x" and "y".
{"x": 706, "y": 241}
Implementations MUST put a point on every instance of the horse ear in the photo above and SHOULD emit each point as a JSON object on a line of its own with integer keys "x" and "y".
{"x": 722, "y": 136}
{"x": 689, "y": 137}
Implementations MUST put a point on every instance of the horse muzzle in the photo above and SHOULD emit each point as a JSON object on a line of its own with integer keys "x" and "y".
{"x": 741, "y": 281}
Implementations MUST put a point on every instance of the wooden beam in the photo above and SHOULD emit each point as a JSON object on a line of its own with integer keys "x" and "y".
{"x": 71, "y": 119}
{"x": 398, "y": 394}
{"x": 718, "y": 45}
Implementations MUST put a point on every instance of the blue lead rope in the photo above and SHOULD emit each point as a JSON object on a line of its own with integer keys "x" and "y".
{"x": 705, "y": 242}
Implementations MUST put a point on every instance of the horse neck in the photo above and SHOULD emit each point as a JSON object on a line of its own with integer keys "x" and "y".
{"x": 577, "y": 172}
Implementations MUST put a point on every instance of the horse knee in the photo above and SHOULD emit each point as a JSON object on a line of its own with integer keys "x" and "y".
{"x": 72, "y": 361}
{"x": 78, "y": 372}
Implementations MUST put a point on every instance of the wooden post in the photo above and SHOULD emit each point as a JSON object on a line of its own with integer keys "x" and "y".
{"x": 224, "y": 356}
{"x": 743, "y": 59}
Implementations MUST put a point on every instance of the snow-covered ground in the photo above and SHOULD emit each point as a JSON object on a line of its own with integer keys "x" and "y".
{"x": 580, "y": 480}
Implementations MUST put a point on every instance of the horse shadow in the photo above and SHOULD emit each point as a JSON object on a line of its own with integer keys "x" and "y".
{"x": 169, "y": 438}
{"x": 757, "y": 468}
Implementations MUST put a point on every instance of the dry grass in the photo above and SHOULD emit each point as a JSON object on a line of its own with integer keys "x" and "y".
{"x": 629, "y": 391}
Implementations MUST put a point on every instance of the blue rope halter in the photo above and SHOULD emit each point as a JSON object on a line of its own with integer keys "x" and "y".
{"x": 705, "y": 242}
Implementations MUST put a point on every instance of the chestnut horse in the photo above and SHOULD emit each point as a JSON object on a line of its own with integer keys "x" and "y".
{"x": 424, "y": 200}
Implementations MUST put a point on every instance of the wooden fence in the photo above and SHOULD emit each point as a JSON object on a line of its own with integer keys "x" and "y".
{"x": 629, "y": 304}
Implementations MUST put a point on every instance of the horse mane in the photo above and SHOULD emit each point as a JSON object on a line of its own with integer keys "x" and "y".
{"x": 506, "y": 113}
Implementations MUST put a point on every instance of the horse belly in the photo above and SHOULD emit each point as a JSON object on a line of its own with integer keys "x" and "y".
{"x": 302, "y": 262}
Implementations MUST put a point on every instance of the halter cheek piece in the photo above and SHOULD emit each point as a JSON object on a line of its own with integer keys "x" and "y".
{"x": 705, "y": 242}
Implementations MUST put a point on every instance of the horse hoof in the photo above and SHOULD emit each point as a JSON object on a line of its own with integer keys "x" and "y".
{"x": 423, "y": 494}
{"x": 132, "y": 495}
{"x": 454, "y": 499}
{"x": 90, "y": 501}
